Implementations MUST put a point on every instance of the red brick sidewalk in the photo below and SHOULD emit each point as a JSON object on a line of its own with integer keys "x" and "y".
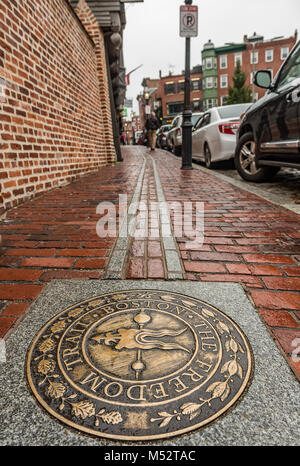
{"x": 54, "y": 237}
{"x": 247, "y": 240}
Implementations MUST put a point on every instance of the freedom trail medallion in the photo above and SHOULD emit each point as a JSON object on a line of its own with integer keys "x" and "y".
{"x": 139, "y": 365}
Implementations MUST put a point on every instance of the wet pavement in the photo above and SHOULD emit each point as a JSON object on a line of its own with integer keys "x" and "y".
{"x": 283, "y": 189}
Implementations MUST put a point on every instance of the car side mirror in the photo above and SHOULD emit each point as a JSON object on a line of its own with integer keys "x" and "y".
{"x": 263, "y": 79}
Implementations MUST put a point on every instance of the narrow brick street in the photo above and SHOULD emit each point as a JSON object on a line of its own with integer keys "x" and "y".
{"x": 247, "y": 240}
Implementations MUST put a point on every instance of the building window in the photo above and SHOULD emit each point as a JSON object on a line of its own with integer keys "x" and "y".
{"x": 254, "y": 58}
{"x": 224, "y": 99}
{"x": 252, "y": 74}
{"x": 256, "y": 97}
{"x": 223, "y": 81}
{"x": 209, "y": 103}
{"x": 269, "y": 55}
{"x": 180, "y": 86}
{"x": 196, "y": 84}
{"x": 238, "y": 57}
{"x": 209, "y": 83}
{"x": 197, "y": 106}
{"x": 284, "y": 52}
{"x": 174, "y": 108}
{"x": 223, "y": 62}
{"x": 170, "y": 88}
{"x": 208, "y": 63}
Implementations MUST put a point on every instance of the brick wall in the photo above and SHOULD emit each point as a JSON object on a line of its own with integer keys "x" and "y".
{"x": 55, "y": 121}
{"x": 247, "y": 67}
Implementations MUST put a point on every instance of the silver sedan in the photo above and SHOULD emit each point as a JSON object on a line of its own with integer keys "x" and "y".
{"x": 214, "y": 136}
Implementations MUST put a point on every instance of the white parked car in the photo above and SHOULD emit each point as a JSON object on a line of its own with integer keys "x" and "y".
{"x": 174, "y": 136}
{"x": 214, "y": 135}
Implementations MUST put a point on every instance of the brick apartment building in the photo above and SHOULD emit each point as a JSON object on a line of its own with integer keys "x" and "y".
{"x": 210, "y": 82}
{"x": 254, "y": 54}
{"x": 172, "y": 93}
{"x": 165, "y": 95}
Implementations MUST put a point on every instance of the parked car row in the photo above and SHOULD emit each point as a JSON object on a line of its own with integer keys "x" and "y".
{"x": 261, "y": 136}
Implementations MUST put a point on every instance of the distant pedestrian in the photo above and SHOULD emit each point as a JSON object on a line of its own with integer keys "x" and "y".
{"x": 123, "y": 139}
{"x": 152, "y": 125}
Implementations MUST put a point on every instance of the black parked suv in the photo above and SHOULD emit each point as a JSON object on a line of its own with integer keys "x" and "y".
{"x": 269, "y": 134}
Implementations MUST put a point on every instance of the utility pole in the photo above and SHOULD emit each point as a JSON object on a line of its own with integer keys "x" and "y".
{"x": 188, "y": 29}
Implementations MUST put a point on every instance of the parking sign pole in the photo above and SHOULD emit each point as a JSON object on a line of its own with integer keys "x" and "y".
{"x": 187, "y": 112}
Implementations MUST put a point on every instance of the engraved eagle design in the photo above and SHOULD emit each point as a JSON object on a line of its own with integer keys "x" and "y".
{"x": 144, "y": 339}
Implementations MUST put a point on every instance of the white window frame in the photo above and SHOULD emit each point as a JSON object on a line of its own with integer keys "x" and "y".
{"x": 252, "y": 74}
{"x": 209, "y": 103}
{"x": 272, "y": 56}
{"x": 209, "y": 60}
{"x": 224, "y": 84}
{"x": 238, "y": 56}
{"x": 223, "y": 66}
{"x": 281, "y": 52}
{"x": 254, "y": 57}
{"x": 209, "y": 83}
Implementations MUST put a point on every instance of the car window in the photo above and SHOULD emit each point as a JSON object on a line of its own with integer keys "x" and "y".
{"x": 233, "y": 111}
{"x": 204, "y": 121}
{"x": 199, "y": 123}
{"x": 291, "y": 69}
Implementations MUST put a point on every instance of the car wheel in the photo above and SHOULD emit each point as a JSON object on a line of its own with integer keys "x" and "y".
{"x": 207, "y": 156}
{"x": 245, "y": 161}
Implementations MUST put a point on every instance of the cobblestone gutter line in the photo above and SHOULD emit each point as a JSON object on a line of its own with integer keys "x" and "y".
{"x": 174, "y": 266}
{"x": 117, "y": 260}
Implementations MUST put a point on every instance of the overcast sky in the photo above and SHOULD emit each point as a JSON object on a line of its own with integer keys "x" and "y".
{"x": 151, "y": 36}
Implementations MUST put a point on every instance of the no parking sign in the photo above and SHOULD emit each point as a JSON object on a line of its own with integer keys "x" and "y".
{"x": 188, "y": 21}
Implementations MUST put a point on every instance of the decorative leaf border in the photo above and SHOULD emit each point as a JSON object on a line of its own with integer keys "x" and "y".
{"x": 55, "y": 389}
{"x": 220, "y": 389}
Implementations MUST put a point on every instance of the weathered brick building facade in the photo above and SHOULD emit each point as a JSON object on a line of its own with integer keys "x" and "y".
{"x": 55, "y": 107}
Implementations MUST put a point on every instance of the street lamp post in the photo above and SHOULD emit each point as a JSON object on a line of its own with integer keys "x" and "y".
{"x": 187, "y": 112}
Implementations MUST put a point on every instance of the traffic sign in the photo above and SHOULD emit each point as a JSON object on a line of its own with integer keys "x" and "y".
{"x": 188, "y": 21}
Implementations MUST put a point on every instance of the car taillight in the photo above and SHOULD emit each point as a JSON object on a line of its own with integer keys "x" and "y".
{"x": 178, "y": 132}
{"x": 229, "y": 128}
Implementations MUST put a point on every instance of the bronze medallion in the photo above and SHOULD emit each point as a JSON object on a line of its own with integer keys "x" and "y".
{"x": 139, "y": 365}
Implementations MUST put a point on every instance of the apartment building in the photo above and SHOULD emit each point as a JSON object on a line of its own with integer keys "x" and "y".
{"x": 254, "y": 53}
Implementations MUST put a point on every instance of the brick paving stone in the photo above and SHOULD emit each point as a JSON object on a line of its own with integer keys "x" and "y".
{"x": 15, "y": 309}
{"x": 154, "y": 249}
{"x": 204, "y": 267}
{"x": 279, "y": 318}
{"x": 155, "y": 268}
{"x": 276, "y": 300}
{"x": 54, "y": 262}
{"x": 286, "y": 337}
{"x": 136, "y": 268}
{"x": 282, "y": 283}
